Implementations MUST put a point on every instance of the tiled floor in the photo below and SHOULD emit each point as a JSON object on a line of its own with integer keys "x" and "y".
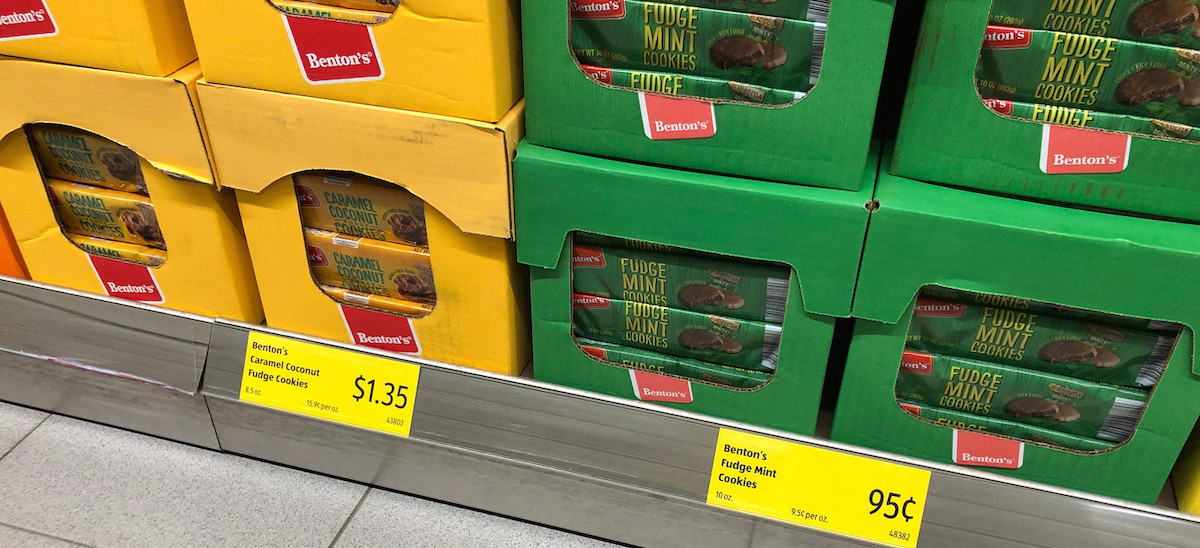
{"x": 65, "y": 482}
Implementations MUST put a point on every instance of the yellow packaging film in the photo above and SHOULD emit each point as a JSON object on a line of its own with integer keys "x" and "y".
{"x": 377, "y": 302}
{"x": 78, "y": 156}
{"x": 370, "y": 266}
{"x": 356, "y": 205}
{"x": 320, "y": 10}
{"x": 374, "y": 5}
{"x": 121, "y": 251}
{"x": 105, "y": 213}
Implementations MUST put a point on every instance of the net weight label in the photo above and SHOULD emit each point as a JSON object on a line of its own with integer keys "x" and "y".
{"x": 329, "y": 383}
{"x": 855, "y": 496}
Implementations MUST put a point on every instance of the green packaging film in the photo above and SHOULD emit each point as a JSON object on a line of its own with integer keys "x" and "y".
{"x": 810, "y": 10}
{"x": 754, "y": 49}
{"x": 713, "y": 89}
{"x": 1050, "y": 309}
{"x": 1072, "y": 406}
{"x": 1079, "y": 117}
{"x": 654, "y": 362}
{"x": 1167, "y": 22}
{"x": 1074, "y": 348}
{"x": 705, "y": 337}
{"x": 1001, "y": 427}
{"x": 1091, "y": 72}
{"x": 709, "y": 285}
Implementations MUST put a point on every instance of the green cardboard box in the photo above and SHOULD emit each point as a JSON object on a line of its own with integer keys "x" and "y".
{"x": 822, "y": 140}
{"x": 818, "y": 232}
{"x": 948, "y": 136}
{"x": 926, "y": 234}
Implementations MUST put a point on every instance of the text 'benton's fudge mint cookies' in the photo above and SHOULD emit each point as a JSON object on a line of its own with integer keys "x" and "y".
{"x": 1000, "y": 427}
{"x": 1089, "y": 72}
{"x": 723, "y": 286}
{"x": 1074, "y": 406}
{"x": 754, "y": 49}
{"x": 663, "y": 364}
{"x": 1166, "y": 22}
{"x": 705, "y": 337}
{"x": 1075, "y": 348}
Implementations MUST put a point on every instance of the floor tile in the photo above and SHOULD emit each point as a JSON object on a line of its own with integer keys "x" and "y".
{"x": 111, "y": 488}
{"x": 392, "y": 519}
{"x": 15, "y": 423}
{"x": 25, "y": 539}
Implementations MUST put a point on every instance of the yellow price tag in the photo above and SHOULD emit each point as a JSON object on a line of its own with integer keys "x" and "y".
{"x": 818, "y": 488}
{"x": 330, "y": 383}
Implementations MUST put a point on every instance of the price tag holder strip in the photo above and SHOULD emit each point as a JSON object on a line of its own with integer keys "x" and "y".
{"x": 329, "y": 383}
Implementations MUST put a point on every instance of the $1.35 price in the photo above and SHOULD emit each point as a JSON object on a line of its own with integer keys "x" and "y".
{"x": 385, "y": 393}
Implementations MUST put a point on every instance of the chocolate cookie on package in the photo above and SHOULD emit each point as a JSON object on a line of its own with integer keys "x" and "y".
{"x": 1031, "y": 407}
{"x": 736, "y": 51}
{"x": 1148, "y": 85}
{"x": 1162, "y": 17}
{"x": 700, "y": 339}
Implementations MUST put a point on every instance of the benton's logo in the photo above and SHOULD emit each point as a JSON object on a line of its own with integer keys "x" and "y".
{"x": 978, "y": 449}
{"x": 124, "y": 280}
{"x": 307, "y": 197}
{"x": 21, "y": 19}
{"x": 599, "y": 74}
{"x": 652, "y": 387}
{"x": 998, "y": 37}
{"x": 667, "y": 118}
{"x": 911, "y": 409}
{"x": 999, "y": 105}
{"x": 597, "y": 9}
{"x": 929, "y": 308}
{"x": 585, "y": 256}
{"x": 316, "y": 257}
{"x": 379, "y": 330}
{"x": 588, "y": 301}
{"x": 594, "y": 352}
{"x": 1079, "y": 150}
{"x": 332, "y": 51}
{"x": 915, "y": 362}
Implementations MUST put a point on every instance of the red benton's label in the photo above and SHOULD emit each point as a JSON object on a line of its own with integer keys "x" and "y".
{"x": 915, "y": 362}
{"x": 1079, "y": 150}
{"x": 331, "y": 52}
{"x": 651, "y": 387}
{"x": 999, "y": 105}
{"x": 594, "y": 352}
{"x": 976, "y": 449}
{"x": 599, "y": 74}
{"x": 930, "y": 308}
{"x": 997, "y": 37}
{"x": 589, "y": 301}
{"x": 124, "y": 280}
{"x": 586, "y": 256}
{"x": 307, "y": 197}
{"x": 378, "y": 330}
{"x": 21, "y": 19}
{"x": 597, "y": 9}
{"x": 316, "y": 257}
{"x": 665, "y": 118}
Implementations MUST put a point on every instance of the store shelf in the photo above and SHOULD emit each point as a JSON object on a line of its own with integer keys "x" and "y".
{"x": 106, "y": 360}
{"x": 625, "y": 471}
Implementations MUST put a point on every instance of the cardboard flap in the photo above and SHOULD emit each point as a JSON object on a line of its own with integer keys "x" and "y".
{"x": 154, "y": 117}
{"x": 927, "y": 234}
{"x": 458, "y": 166}
{"x": 818, "y": 232}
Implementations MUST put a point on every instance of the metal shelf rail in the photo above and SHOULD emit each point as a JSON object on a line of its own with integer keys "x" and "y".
{"x": 615, "y": 469}
{"x": 107, "y": 360}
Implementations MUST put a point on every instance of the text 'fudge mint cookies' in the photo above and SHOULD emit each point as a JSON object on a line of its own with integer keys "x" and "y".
{"x": 767, "y": 51}
{"x": 1073, "y": 406}
{"x": 723, "y": 286}
{"x": 664, "y": 364}
{"x": 706, "y": 337}
{"x": 1071, "y": 347}
{"x": 1000, "y": 427}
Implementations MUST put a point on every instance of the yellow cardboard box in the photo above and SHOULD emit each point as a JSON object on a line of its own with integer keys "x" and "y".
{"x": 460, "y": 168}
{"x": 148, "y": 37}
{"x": 450, "y": 57}
{"x": 207, "y": 268}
